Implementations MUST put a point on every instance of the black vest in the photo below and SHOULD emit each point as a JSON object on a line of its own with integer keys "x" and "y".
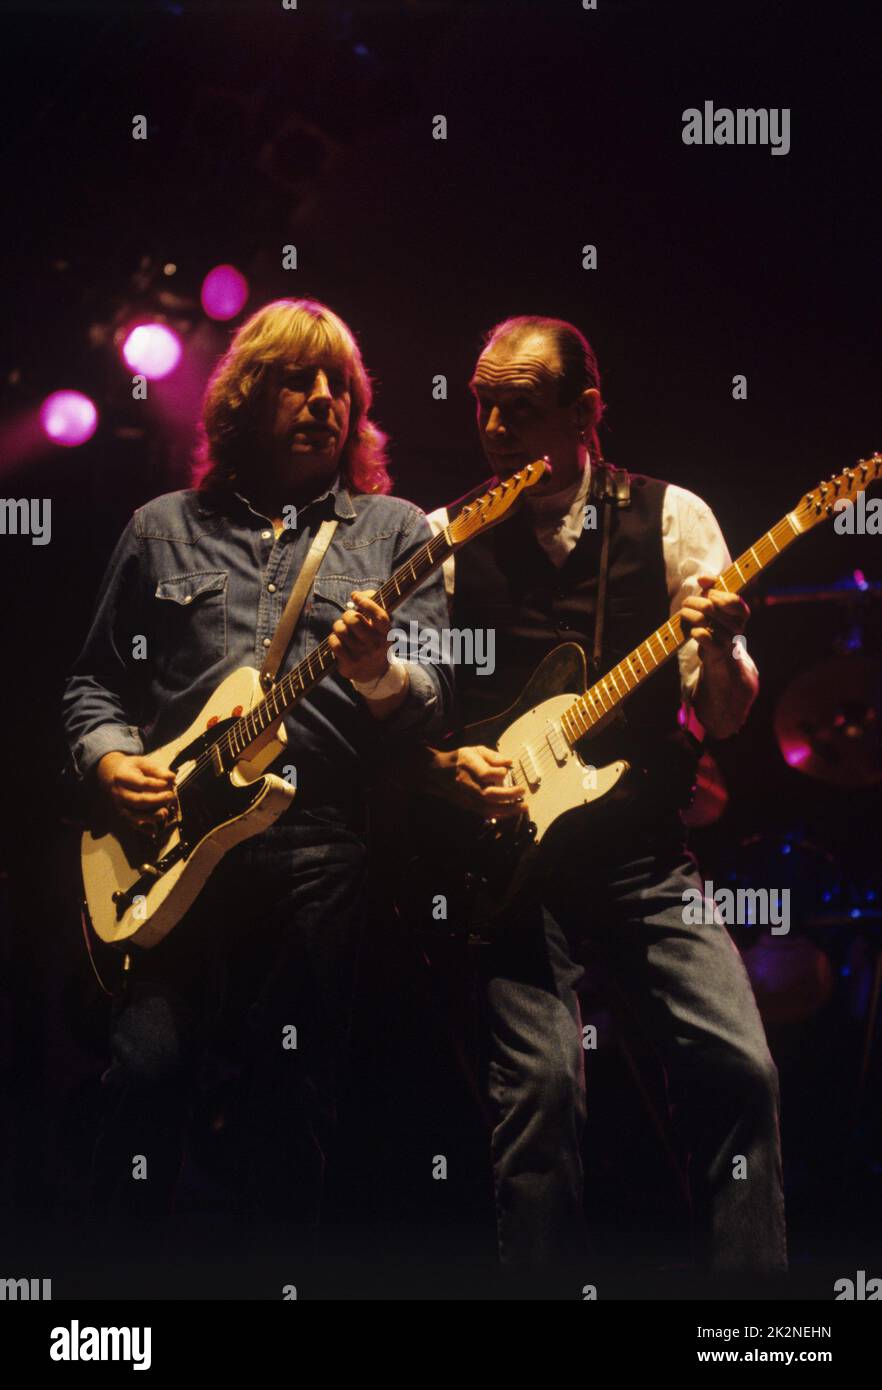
{"x": 505, "y": 581}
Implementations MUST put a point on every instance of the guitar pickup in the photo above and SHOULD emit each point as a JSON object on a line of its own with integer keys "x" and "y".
{"x": 557, "y": 743}
{"x": 528, "y": 767}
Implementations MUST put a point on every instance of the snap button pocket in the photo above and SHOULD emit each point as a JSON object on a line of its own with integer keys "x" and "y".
{"x": 183, "y": 588}
{"x": 191, "y": 624}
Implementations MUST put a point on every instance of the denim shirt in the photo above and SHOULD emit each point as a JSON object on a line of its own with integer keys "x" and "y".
{"x": 204, "y": 585}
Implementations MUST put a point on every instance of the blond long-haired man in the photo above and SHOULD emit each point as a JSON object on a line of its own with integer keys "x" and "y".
{"x": 203, "y": 575}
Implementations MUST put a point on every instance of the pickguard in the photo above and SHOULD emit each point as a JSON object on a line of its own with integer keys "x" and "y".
{"x": 557, "y": 779}
{"x": 209, "y": 799}
{"x": 485, "y": 866}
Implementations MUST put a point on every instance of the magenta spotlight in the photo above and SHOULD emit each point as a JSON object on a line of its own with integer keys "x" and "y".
{"x": 153, "y": 350}
{"x": 68, "y": 418}
{"x": 224, "y": 292}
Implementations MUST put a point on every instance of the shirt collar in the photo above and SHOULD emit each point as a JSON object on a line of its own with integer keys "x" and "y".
{"x": 342, "y": 502}
{"x": 559, "y": 504}
{"x": 343, "y": 507}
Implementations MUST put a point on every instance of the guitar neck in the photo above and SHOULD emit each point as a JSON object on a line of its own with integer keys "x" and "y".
{"x": 476, "y": 517}
{"x": 614, "y": 688}
{"x": 321, "y": 661}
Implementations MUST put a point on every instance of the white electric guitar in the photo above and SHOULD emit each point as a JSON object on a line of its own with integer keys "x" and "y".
{"x": 548, "y": 731}
{"x": 136, "y": 890}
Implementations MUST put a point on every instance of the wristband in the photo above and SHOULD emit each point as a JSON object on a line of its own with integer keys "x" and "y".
{"x": 382, "y": 687}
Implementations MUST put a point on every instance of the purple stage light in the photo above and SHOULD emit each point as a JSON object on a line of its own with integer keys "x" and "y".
{"x": 152, "y": 350}
{"x": 68, "y": 418}
{"x": 224, "y": 292}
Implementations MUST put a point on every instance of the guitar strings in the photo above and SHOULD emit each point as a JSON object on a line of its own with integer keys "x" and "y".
{"x": 426, "y": 560}
{"x": 732, "y": 580}
{"x": 785, "y": 529}
{"x": 545, "y": 755}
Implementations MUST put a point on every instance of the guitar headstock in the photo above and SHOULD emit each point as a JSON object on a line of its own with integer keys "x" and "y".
{"x": 819, "y": 504}
{"x": 494, "y": 504}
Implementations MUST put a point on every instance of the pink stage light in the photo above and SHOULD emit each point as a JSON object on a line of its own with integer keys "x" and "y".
{"x": 153, "y": 350}
{"x": 68, "y": 418}
{"x": 797, "y": 756}
{"x": 224, "y": 292}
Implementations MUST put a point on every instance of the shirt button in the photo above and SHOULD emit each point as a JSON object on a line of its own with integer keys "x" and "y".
{"x": 266, "y": 641}
{"x": 271, "y": 588}
{"x": 266, "y": 535}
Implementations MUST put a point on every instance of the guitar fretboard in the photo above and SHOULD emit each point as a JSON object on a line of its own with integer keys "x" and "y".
{"x": 322, "y": 660}
{"x": 608, "y": 693}
{"x": 224, "y": 752}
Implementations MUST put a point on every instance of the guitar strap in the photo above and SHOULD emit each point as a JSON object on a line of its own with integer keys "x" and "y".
{"x": 610, "y": 487}
{"x": 294, "y": 607}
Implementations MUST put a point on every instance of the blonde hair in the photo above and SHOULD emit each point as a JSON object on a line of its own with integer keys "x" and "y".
{"x": 286, "y": 329}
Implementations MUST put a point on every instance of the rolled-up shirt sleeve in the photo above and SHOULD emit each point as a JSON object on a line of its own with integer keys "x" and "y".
{"x": 693, "y": 544}
{"x": 101, "y": 700}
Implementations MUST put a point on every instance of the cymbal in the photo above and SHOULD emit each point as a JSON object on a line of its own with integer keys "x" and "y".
{"x": 827, "y": 722}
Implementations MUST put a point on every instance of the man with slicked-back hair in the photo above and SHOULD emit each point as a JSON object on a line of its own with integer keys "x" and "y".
{"x": 536, "y": 388}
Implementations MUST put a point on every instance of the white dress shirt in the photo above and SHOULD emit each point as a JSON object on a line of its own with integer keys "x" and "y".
{"x": 692, "y": 544}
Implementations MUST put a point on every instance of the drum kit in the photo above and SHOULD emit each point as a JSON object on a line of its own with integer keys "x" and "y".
{"x": 827, "y": 723}
{"x": 826, "y": 726}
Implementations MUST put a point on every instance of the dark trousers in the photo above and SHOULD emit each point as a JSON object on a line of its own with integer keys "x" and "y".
{"x": 271, "y": 942}
{"x": 688, "y": 987}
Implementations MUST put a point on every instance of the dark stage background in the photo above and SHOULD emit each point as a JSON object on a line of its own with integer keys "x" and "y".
{"x": 314, "y": 127}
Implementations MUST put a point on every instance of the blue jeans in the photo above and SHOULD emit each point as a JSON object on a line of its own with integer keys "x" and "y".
{"x": 274, "y": 938}
{"x": 688, "y": 987}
